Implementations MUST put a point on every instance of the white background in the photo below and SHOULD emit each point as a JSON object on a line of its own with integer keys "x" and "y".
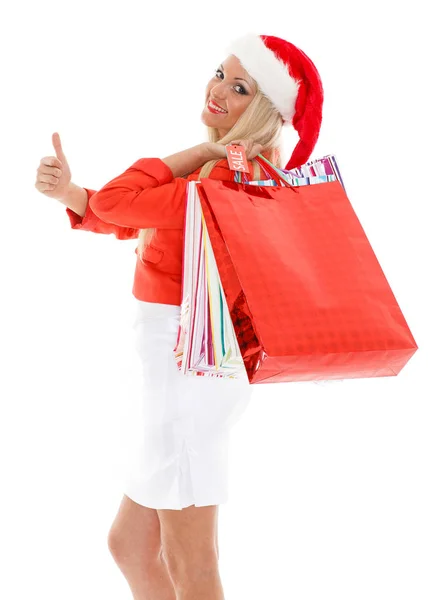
{"x": 328, "y": 485}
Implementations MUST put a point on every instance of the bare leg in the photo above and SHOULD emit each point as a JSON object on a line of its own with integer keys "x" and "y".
{"x": 135, "y": 544}
{"x": 189, "y": 545}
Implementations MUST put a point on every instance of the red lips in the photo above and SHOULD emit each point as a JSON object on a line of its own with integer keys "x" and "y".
{"x": 215, "y": 104}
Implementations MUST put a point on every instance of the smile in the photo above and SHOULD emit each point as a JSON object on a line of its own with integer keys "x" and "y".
{"x": 212, "y": 108}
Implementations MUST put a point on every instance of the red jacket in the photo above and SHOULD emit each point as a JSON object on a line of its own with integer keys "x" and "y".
{"x": 147, "y": 195}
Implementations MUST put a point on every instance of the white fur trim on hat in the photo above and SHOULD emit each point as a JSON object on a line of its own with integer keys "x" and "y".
{"x": 270, "y": 72}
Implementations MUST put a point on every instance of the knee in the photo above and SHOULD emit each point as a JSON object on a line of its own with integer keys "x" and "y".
{"x": 118, "y": 544}
{"x": 128, "y": 549}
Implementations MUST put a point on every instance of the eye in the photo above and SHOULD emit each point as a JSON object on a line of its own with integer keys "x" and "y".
{"x": 244, "y": 91}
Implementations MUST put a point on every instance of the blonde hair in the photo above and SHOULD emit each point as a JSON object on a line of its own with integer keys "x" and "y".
{"x": 261, "y": 122}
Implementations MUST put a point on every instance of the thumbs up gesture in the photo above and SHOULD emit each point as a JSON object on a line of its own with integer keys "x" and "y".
{"x": 53, "y": 173}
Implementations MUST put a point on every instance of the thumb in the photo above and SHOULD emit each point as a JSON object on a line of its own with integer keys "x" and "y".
{"x": 258, "y": 148}
{"x": 56, "y": 141}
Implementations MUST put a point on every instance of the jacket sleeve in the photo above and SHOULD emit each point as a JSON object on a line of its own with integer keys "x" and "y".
{"x": 145, "y": 195}
{"x": 90, "y": 222}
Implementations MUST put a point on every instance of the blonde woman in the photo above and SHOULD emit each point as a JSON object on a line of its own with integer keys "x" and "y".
{"x": 164, "y": 537}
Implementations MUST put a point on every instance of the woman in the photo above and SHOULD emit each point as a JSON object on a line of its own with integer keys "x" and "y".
{"x": 164, "y": 537}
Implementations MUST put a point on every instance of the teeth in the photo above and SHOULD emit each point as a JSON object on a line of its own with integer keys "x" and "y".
{"x": 215, "y": 107}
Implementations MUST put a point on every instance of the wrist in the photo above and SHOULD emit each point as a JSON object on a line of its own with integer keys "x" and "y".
{"x": 212, "y": 151}
{"x": 205, "y": 153}
{"x": 75, "y": 198}
{"x": 69, "y": 190}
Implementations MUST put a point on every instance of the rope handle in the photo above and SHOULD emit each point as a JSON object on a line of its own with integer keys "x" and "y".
{"x": 275, "y": 170}
{"x": 276, "y": 174}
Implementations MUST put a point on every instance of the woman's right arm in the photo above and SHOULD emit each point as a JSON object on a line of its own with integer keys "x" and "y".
{"x": 186, "y": 161}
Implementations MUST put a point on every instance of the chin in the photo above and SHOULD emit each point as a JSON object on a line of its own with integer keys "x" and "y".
{"x": 206, "y": 119}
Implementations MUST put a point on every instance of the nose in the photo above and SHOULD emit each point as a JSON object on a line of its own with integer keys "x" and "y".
{"x": 220, "y": 100}
{"x": 217, "y": 92}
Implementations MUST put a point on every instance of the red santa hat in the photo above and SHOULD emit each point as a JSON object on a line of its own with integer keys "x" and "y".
{"x": 291, "y": 81}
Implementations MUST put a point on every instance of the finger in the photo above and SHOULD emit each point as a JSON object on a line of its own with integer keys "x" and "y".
{"x": 256, "y": 149}
{"x": 49, "y": 170}
{"x": 47, "y": 178}
{"x": 56, "y": 141}
{"x": 44, "y": 187}
{"x": 51, "y": 161}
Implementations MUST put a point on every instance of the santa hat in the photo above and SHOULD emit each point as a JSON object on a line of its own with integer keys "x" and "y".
{"x": 290, "y": 80}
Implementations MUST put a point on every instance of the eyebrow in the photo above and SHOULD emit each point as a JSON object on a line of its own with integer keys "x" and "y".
{"x": 240, "y": 78}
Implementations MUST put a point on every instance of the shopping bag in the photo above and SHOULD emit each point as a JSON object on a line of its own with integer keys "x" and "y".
{"x": 307, "y": 298}
{"x": 206, "y": 341}
{"x": 318, "y": 170}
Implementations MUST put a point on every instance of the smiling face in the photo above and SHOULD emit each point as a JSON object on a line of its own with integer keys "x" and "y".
{"x": 232, "y": 89}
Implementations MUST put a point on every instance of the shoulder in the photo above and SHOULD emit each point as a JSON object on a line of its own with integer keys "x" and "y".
{"x": 219, "y": 171}
{"x": 222, "y": 171}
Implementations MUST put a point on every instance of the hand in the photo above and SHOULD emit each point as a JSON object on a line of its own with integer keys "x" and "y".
{"x": 252, "y": 148}
{"x": 54, "y": 175}
{"x": 215, "y": 151}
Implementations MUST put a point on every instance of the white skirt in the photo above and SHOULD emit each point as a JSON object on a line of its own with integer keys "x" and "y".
{"x": 181, "y": 454}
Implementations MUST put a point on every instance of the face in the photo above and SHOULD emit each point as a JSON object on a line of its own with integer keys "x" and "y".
{"x": 232, "y": 88}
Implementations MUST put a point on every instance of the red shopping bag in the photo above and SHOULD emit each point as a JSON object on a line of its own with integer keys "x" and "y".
{"x": 307, "y": 296}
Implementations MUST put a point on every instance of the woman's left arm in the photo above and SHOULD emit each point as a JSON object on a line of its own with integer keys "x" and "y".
{"x": 145, "y": 195}
{"x": 151, "y": 192}
{"x": 88, "y": 221}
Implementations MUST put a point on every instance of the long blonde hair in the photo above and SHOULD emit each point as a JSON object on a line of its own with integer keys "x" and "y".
{"x": 261, "y": 122}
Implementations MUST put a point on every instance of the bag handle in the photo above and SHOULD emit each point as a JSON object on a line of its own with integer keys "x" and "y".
{"x": 271, "y": 171}
{"x": 276, "y": 174}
